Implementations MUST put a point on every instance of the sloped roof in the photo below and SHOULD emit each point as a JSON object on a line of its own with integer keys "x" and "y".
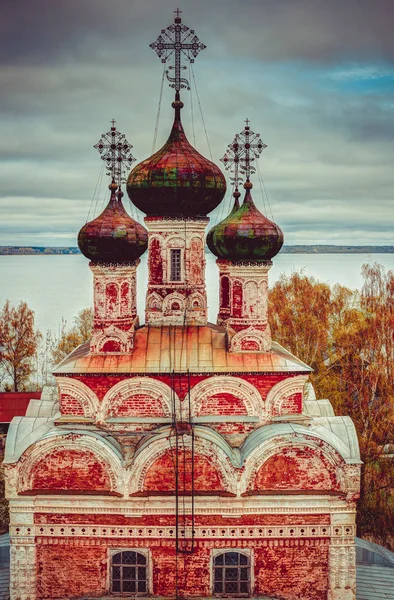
{"x": 167, "y": 349}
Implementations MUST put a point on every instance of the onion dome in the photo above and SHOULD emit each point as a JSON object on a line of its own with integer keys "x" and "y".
{"x": 177, "y": 180}
{"x": 246, "y": 234}
{"x": 113, "y": 237}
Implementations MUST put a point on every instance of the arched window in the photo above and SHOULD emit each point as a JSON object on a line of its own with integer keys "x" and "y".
{"x": 231, "y": 574}
{"x": 129, "y": 573}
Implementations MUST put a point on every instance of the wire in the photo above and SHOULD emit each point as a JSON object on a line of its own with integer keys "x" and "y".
{"x": 201, "y": 113}
{"x": 98, "y": 184}
{"x": 158, "y": 111}
{"x": 191, "y": 107}
{"x": 264, "y": 195}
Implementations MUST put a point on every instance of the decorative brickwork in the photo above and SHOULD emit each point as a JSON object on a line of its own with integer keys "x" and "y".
{"x": 243, "y": 303}
{"x": 115, "y": 309}
{"x": 176, "y": 271}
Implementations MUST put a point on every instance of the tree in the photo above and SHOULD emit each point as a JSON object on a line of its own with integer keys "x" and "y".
{"x": 18, "y": 343}
{"x": 69, "y": 339}
{"x": 348, "y": 339}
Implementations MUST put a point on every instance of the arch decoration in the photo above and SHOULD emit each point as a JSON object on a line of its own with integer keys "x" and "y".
{"x": 80, "y": 392}
{"x": 251, "y": 340}
{"x": 282, "y": 390}
{"x": 236, "y": 386}
{"x": 294, "y": 441}
{"x": 148, "y": 455}
{"x": 106, "y": 457}
{"x": 121, "y": 391}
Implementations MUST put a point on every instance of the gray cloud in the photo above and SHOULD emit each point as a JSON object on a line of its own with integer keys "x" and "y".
{"x": 291, "y": 66}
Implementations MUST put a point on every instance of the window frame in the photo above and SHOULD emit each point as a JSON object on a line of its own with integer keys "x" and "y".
{"x": 245, "y": 552}
{"x": 144, "y": 552}
{"x": 177, "y": 266}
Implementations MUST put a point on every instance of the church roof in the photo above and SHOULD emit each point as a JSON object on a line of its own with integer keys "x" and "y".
{"x": 194, "y": 349}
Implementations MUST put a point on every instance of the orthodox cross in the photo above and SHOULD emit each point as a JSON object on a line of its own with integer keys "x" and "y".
{"x": 175, "y": 42}
{"x": 115, "y": 150}
{"x": 240, "y": 154}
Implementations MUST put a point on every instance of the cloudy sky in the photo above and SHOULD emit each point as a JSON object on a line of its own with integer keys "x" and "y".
{"x": 316, "y": 79}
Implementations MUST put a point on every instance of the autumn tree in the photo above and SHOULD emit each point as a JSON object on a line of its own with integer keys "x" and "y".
{"x": 69, "y": 339}
{"x": 18, "y": 343}
{"x": 348, "y": 339}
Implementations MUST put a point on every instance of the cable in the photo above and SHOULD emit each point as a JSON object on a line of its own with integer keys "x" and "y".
{"x": 267, "y": 208}
{"x": 158, "y": 111}
{"x": 98, "y": 183}
{"x": 191, "y": 107}
{"x": 202, "y": 116}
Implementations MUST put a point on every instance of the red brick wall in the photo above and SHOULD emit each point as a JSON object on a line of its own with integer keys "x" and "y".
{"x": 282, "y": 568}
{"x": 69, "y": 470}
{"x": 168, "y": 520}
{"x": 161, "y": 474}
{"x": 296, "y": 469}
{"x": 70, "y": 570}
{"x": 139, "y": 405}
{"x": 222, "y": 404}
{"x": 293, "y": 569}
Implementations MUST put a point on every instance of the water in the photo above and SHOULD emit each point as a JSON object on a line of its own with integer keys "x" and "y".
{"x": 57, "y": 287}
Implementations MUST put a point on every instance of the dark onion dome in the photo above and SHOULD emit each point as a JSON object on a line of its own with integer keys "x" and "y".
{"x": 177, "y": 180}
{"x": 246, "y": 234}
{"x": 113, "y": 237}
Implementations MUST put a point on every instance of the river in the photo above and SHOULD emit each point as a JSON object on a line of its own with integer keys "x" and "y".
{"x": 58, "y": 287}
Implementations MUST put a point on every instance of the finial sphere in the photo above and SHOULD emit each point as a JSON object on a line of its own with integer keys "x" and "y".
{"x": 248, "y": 185}
{"x": 113, "y": 186}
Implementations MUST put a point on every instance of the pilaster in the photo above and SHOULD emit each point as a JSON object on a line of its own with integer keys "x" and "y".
{"x": 23, "y": 557}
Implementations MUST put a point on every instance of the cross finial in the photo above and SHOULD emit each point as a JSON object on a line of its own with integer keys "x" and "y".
{"x": 115, "y": 150}
{"x": 177, "y": 42}
{"x": 240, "y": 154}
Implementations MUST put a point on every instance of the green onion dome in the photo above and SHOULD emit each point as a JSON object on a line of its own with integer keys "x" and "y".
{"x": 113, "y": 237}
{"x": 177, "y": 180}
{"x": 246, "y": 234}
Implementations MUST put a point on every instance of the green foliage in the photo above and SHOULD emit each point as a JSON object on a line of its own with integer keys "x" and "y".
{"x": 348, "y": 339}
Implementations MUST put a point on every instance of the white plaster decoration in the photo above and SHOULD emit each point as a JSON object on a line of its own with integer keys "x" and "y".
{"x": 340, "y": 534}
{"x": 227, "y": 384}
{"x": 123, "y": 339}
{"x": 69, "y": 441}
{"x": 174, "y": 307}
{"x": 80, "y": 392}
{"x": 342, "y": 570}
{"x": 342, "y": 511}
{"x": 282, "y": 390}
{"x": 115, "y": 310}
{"x": 148, "y": 455}
{"x": 126, "y": 388}
{"x": 23, "y": 566}
{"x": 250, "y": 339}
{"x": 154, "y": 302}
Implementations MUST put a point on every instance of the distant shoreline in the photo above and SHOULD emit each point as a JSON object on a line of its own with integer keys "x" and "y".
{"x": 298, "y": 249}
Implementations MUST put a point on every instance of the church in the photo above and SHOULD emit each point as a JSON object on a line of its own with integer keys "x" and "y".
{"x": 181, "y": 458}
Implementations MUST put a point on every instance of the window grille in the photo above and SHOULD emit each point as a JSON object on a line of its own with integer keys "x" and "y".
{"x": 129, "y": 573}
{"x": 175, "y": 274}
{"x": 231, "y": 571}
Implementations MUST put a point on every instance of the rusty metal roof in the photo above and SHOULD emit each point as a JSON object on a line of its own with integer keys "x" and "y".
{"x": 167, "y": 349}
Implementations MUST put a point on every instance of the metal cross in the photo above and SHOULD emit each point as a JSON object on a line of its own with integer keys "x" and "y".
{"x": 174, "y": 42}
{"x": 115, "y": 150}
{"x": 240, "y": 154}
